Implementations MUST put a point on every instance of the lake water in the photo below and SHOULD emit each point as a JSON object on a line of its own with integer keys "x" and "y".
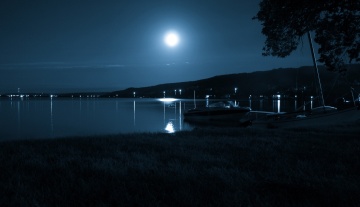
{"x": 61, "y": 117}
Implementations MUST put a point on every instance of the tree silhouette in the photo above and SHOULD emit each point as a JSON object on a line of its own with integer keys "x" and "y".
{"x": 336, "y": 24}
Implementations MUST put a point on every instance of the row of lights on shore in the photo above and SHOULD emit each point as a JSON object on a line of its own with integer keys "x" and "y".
{"x": 164, "y": 92}
{"x": 51, "y": 96}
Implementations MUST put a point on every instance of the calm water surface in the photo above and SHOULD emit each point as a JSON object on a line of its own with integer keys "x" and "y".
{"x": 43, "y": 118}
{"x": 59, "y": 117}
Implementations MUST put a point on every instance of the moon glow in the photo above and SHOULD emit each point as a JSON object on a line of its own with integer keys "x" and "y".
{"x": 171, "y": 39}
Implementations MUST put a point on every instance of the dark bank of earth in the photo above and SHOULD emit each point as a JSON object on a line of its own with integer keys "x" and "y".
{"x": 211, "y": 166}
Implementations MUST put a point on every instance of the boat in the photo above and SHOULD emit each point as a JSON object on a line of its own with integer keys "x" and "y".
{"x": 319, "y": 116}
{"x": 224, "y": 112}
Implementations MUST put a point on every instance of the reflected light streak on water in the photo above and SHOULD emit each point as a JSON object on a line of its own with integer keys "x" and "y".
{"x": 134, "y": 115}
{"x": 170, "y": 127}
{"x": 180, "y": 121}
{"x": 117, "y": 106}
{"x": 18, "y": 116}
{"x": 51, "y": 117}
{"x": 278, "y": 106}
{"x": 167, "y": 99}
{"x": 304, "y": 106}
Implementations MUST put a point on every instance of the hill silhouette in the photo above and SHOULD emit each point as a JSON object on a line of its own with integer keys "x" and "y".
{"x": 284, "y": 81}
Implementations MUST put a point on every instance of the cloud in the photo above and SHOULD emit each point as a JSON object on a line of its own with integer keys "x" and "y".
{"x": 113, "y": 66}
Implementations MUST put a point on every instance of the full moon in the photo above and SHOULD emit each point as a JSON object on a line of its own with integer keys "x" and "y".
{"x": 171, "y": 39}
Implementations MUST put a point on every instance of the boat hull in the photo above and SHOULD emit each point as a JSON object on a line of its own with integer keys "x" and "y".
{"x": 328, "y": 118}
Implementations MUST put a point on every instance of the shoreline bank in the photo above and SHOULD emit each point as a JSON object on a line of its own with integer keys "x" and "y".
{"x": 206, "y": 166}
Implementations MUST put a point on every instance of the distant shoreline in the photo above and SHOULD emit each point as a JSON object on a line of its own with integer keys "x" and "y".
{"x": 281, "y": 81}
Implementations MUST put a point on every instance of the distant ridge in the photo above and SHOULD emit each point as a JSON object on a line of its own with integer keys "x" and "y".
{"x": 286, "y": 81}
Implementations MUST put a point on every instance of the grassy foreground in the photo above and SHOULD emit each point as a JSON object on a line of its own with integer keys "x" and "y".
{"x": 204, "y": 167}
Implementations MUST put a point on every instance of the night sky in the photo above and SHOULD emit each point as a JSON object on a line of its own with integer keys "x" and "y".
{"x": 89, "y": 45}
